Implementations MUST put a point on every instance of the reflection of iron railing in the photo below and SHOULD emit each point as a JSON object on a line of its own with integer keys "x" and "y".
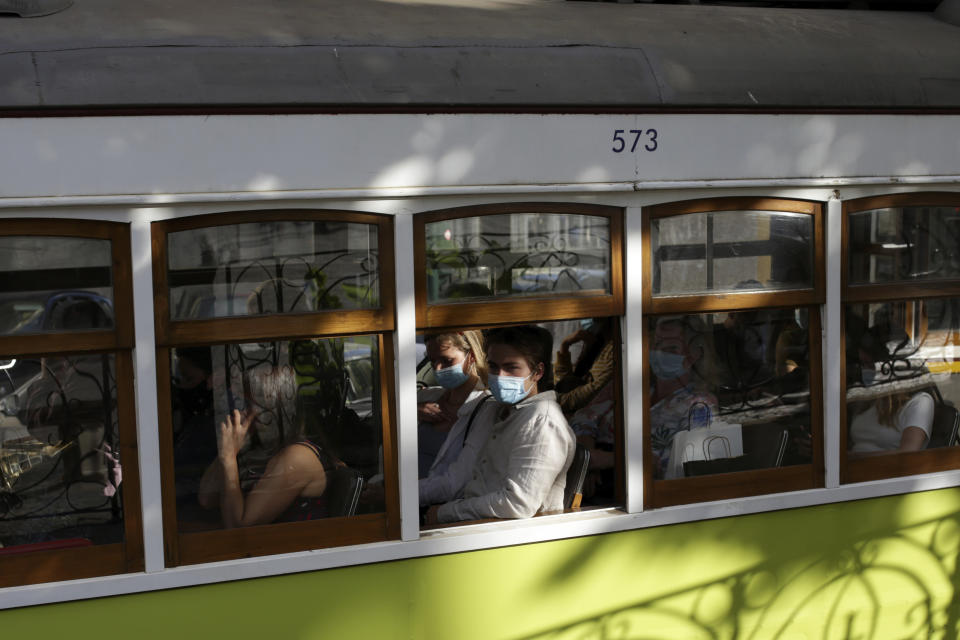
{"x": 472, "y": 252}
{"x": 54, "y": 401}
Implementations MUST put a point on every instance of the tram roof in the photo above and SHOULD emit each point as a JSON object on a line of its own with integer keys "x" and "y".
{"x": 486, "y": 54}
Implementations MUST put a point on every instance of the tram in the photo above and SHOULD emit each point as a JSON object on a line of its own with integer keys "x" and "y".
{"x": 752, "y": 213}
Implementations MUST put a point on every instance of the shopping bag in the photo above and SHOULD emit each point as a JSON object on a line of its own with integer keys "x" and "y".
{"x": 719, "y": 441}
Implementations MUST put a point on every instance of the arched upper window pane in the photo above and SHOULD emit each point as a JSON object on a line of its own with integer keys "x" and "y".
{"x": 50, "y": 283}
{"x": 517, "y": 255}
{"x": 732, "y": 251}
{"x": 904, "y": 243}
{"x": 272, "y": 267}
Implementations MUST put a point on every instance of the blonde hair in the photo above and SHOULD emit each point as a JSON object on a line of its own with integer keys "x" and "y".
{"x": 888, "y": 407}
{"x": 469, "y": 342}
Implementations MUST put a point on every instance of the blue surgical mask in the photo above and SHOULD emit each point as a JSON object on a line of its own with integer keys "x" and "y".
{"x": 666, "y": 365}
{"x": 868, "y": 376}
{"x": 451, "y": 377}
{"x": 508, "y": 389}
{"x": 587, "y": 324}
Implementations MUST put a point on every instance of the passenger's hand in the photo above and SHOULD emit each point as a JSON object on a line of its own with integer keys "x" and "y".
{"x": 433, "y": 413}
{"x": 429, "y": 412}
{"x": 581, "y": 335}
{"x": 233, "y": 433}
{"x": 431, "y": 517}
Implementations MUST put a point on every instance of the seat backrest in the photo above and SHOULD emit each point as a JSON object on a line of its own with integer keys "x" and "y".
{"x": 946, "y": 420}
{"x": 344, "y": 485}
{"x": 576, "y": 475}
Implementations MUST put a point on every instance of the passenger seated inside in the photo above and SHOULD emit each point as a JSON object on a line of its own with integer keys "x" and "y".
{"x": 292, "y": 484}
{"x": 676, "y": 400}
{"x": 453, "y": 424}
{"x": 521, "y": 469}
{"x": 894, "y": 420}
{"x": 459, "y": 366}
{"x": 577, "y": 384}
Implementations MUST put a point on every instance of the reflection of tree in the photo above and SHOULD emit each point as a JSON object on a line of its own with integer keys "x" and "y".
{"x": 894, "y": 584}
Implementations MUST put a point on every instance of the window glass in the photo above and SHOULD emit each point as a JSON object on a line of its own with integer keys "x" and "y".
{"x": 516, "y": 255}
{"x": 54, "y": 284}
{"x": 902, "y": 369}
{"x": 479, "y": 461}
{"x": 731, "y": 251}
{"x": 272, "y": 267}
{"x": 904, "y": 243}
{"x": 308, "y": 434}
{"x": 730, "y": 391}
{"x": 60, "y": 469}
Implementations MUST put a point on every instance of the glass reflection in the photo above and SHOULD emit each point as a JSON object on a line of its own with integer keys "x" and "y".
{"x": 54, "y": 284}
{"x": 272, "y": 267}
{"x": 904, "y": 243}
{"x": 60, "y": 470}
{"x": 902, "y": 375}
{"x": 275, "y": 431}
{"x": 520, "y": 254}
{"x": 732, "y": 251}
{"x": 730, "y": 391}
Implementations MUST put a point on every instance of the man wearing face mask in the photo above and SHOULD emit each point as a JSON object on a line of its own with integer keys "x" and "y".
{"x": 675, "y": 402}
{"x": 521, "y": 469}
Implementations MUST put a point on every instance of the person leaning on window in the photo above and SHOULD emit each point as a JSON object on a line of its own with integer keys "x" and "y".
{"x": 292, "y": 485}
{"x": 521, "y": 470}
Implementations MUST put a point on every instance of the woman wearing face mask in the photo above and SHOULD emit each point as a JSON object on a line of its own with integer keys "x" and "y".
{"x": 522, "y": 467}
{"x": 459, "y": 366}
{"x": 675, "y": 402}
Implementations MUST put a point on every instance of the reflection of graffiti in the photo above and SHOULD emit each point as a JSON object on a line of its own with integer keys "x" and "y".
{"x": 896, "y": 584}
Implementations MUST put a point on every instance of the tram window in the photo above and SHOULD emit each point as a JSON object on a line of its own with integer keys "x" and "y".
{"x": 733, "y": 407}
{"x": 544, "y": 264}
{"x": 271, "y": 267}
{"x": 574, "y": 404}
{"x": 719, "y": 251}
{"x": 285, "y": 422}
{"x": 900, "y": 362}
{"x": 517, "y": 262}
{"x": 69, "y": 494}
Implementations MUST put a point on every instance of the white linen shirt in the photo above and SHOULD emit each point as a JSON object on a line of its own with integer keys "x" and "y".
{"x": 522, "y": 468}
{"x": 453, "y": 465}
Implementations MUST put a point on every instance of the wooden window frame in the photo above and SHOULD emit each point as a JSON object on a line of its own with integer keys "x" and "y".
{"x": 663, "y": 493}
{"x": 529, "y": 308}
{"x": 902, "y": 464}
{"x": 494, "y": 313}
{"x": 182, "y": 548}
{"x": 108, "y": 559}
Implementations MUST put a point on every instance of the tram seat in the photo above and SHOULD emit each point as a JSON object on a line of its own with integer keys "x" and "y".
{"x": 576, "y": 476}
{"x": 946, "y": 423}
{"x": 344, "y": 485}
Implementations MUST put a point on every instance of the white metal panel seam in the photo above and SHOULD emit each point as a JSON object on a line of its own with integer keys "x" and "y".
{"x": 831, "y": 343}
{"x": 148, "y": 437}
{"x": 633, "y": 358}
{"x": 405, "y": 370}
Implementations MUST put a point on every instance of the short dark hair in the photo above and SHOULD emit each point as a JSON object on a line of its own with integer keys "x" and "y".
{"x": 534, "y": 343}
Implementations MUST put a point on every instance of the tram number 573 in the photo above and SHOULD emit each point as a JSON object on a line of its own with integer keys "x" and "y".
{"x": 634, "y": 139}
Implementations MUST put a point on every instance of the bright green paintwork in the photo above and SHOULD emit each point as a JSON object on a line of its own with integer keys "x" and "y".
{"x": 882, "y": 568}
